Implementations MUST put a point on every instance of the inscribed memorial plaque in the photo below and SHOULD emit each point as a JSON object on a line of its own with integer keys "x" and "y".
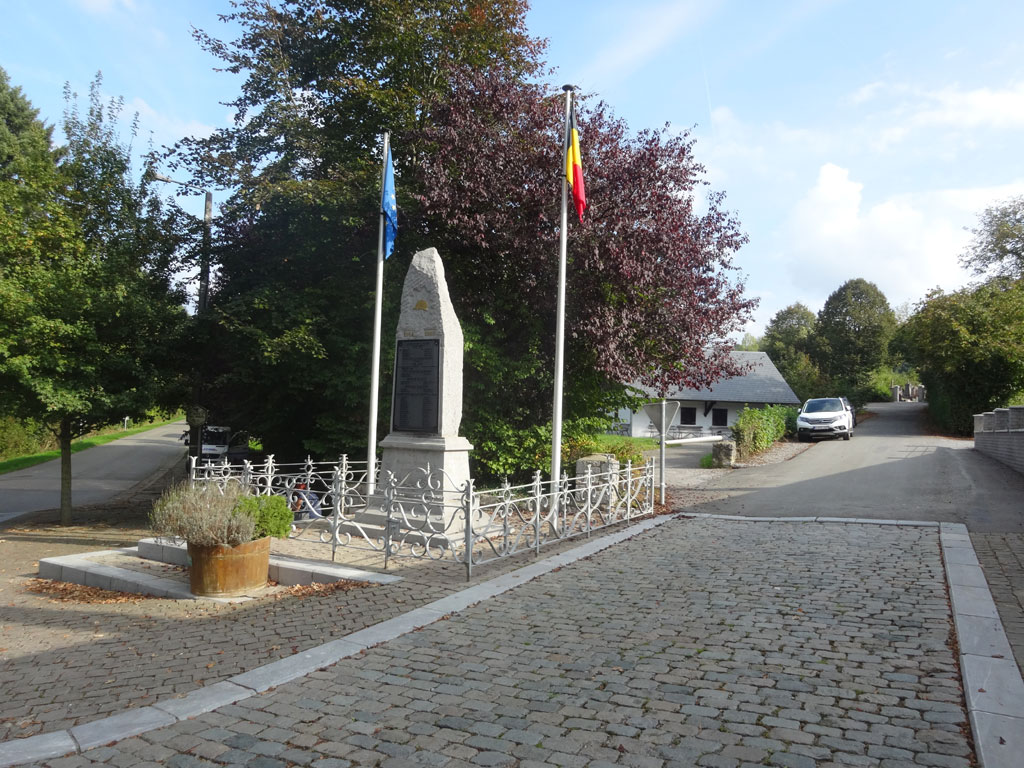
{"x": 417, "y": 376}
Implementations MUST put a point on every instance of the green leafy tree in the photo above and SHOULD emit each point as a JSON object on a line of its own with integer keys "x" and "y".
{"x": 998, "y": 245}
{"x": 288, "y": 352}
{"x": 87, "y": 305}
{"x": 852, "y": 334}
{"x": 652, "y": 290}
{"x": 788, "y": 340}
{"x": 968, "y": 349}
{"x": 749, "y": 343}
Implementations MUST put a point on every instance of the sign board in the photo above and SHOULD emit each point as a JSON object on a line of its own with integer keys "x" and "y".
{"x": 653, "y": 411}
{"x": 417, "y": 386}
{"x": 195, "y": 415}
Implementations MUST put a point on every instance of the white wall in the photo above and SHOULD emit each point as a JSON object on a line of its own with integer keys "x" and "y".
{"x": 640, "y": 424}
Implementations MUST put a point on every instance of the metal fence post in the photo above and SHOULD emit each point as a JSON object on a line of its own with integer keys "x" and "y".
{"x": 589, "y": 501}
{"x": 389, "y": 497}
{"x": 268, "y": 475}
{"x": 563, "y": 497}
{"x": 338, "y": 490}
{"x": 467, "y": 508}
{"x": 629, "y": 489}
{"x": 538, "y": 498}
{"x": 650, "y": 486}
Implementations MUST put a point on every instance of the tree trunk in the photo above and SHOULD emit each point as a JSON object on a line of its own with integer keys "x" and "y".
{"x": 65, "y": 471}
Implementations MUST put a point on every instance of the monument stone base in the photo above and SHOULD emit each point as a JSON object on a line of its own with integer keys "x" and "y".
{"x": 403, "y": 455}
{"x": 408, "y": 456}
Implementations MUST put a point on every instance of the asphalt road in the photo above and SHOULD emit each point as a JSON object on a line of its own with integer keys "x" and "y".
{"x": 890, "y": 469}
{"x": 98, "y": 474}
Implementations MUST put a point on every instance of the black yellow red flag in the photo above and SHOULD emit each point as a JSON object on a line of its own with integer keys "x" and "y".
{"x": 574, "y": 163}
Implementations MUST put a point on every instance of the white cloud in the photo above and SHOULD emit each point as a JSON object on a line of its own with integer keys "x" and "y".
{"x": 865, "y": 93}
{"x": 902, "y": 113}
{"x": 1000, "y": 108}
{"x": 905, "y": 243}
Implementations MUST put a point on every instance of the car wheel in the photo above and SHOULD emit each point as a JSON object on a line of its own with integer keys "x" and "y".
{"x": 846, "y": 435}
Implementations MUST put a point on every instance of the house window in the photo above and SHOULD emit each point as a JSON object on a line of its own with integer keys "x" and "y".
{"x": 687, "y": 416}
{"x": 719, "y": 417}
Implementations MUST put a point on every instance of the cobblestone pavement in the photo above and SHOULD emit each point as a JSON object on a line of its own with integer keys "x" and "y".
{"x": 705, "y": 643}
{"x": 1002, "y": 559}
{"x": 65, "y": 663}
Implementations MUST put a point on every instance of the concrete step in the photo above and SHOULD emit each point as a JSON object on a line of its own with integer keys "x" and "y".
{"x": 159, "y": 568}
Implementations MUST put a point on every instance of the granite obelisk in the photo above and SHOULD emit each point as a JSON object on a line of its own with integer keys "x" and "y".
{"x": 426, "y": 403}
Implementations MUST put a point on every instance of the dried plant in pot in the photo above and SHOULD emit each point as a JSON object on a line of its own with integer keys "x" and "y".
{"x": 227, "y": 532}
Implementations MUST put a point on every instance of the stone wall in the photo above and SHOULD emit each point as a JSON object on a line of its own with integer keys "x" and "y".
{"x": 1000, "y": 434}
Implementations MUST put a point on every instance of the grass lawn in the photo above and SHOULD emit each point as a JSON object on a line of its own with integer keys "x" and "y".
{"x": 109, "y": 435}
{"x": 641, "y": 443}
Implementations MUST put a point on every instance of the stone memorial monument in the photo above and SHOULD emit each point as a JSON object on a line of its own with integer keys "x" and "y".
{"x": 426, "y": 404}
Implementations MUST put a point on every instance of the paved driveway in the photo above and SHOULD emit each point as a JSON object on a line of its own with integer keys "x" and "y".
{"x": 890, "y": 469}
{"x": 893, "y": 469}
{"x": 700, "y": 643}
{"x": 705, "y": 642}
{"x": 98, "y": 474}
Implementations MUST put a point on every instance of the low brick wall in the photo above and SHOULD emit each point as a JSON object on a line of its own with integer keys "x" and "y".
{"x": 1000, "y": 434}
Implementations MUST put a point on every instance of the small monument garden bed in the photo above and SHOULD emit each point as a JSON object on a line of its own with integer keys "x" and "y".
{"x": 227, "y": 532}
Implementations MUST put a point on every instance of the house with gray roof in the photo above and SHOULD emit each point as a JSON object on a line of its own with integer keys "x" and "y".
{"x": 714, "y": 410}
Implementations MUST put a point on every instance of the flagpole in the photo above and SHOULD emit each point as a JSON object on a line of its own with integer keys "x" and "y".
{"x": 371, "y": 445}
{"x": 556, "y": 417}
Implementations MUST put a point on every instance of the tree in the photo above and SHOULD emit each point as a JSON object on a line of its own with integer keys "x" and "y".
{"x": 87, "y": 305}
{"x": 788, "y": 340}
{"x": 969, "y": 350}
{"x": 790, "y": 330}
{"x": 998, "y": 245}
{"x": 749, "y": 343}
{"x": 653, "y": 293}
{"x": 297, "y": 241}
{"x": 853, "y": 333}
{"x": 651, "y": 288}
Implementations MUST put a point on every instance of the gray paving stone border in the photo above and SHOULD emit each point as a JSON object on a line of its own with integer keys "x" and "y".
{"x": 284, "y": 569}
{"x": 993, "y": 688}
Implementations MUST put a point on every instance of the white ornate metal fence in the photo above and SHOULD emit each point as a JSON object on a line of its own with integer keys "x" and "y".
{"x": 425, "y": 515}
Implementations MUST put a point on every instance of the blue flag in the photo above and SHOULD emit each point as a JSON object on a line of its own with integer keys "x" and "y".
{"x": 389, "y": 206}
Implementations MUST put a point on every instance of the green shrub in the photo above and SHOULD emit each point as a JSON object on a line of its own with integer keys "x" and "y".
{"x": 756, "y": 429}
{"x": 575, "y": 447}
{"x": 202, "y": 514}
{"x": 791, "y": 414}
{"x": 516, "y": 454}
{"x": 271, "y": 513}
{"x": 624, "y": 451}
{"x": 23, "y": 438}
{"x": 206, "y": 515}
{"x": 707, "y": 461}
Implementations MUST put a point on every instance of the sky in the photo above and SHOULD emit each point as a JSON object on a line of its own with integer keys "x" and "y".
{"x": 853, "y": 138}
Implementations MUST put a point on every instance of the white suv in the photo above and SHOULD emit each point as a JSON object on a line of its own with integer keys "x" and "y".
{"x": 824, "y": 417}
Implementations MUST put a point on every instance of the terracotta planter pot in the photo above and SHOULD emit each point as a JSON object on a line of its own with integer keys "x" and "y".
{"x": 229, "y": 571}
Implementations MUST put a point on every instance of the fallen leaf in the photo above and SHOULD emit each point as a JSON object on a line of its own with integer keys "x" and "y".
{"x": 62, "y": 591}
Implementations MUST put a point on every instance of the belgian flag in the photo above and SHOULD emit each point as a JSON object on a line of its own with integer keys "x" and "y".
{"x": 574, "y": 163}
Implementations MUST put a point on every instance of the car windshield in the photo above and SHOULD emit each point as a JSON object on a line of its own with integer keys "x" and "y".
{"x": 824, "y": 404}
